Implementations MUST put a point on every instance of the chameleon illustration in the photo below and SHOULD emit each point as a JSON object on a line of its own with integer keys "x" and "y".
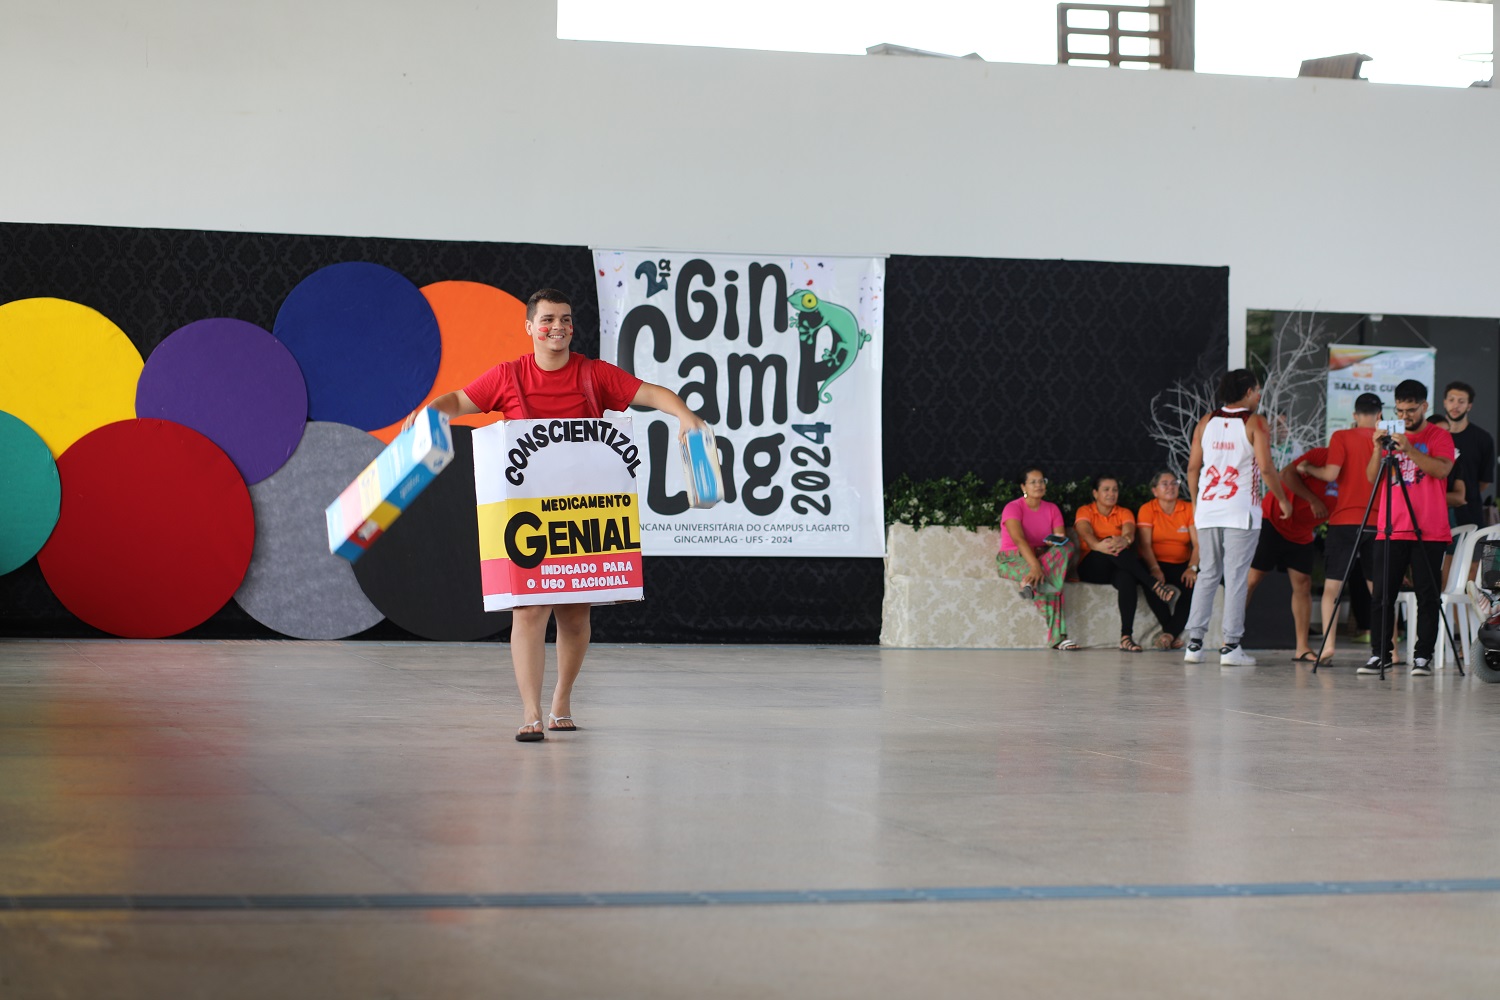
{"x": 813, "y": 314}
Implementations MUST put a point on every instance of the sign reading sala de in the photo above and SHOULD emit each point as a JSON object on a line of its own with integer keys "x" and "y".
{"x": 782, "y": 356}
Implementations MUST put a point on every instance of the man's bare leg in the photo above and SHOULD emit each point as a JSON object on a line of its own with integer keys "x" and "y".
{"x": 1331, "y": 591}
{"x": 528, "y": 654}
{"x": 1301, "y": 609}
{"x": 573, "y": 632}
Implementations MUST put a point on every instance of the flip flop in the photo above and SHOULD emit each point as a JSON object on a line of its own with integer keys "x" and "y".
{"x": 524, "y": 734}
{"x": 569, "y": 728}
{"x": 1066, "y": 644}
{"x": 1172, "y": 596}
{"x": 1305, "y": 658}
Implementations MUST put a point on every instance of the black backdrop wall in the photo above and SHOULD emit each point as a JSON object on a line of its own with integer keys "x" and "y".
{"x": 987, "y": 363}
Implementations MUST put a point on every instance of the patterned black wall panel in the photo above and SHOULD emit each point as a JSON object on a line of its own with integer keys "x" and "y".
{"x": 992, "y": 363}
{"x": 1058, "y": 355}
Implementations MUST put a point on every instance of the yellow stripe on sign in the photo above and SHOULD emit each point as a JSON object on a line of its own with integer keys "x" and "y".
{"x": 493, "y": 517}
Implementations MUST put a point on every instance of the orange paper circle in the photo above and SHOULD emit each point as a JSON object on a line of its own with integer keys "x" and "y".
{"x": 65, "y": 369}
{"x": 480, "y": 327}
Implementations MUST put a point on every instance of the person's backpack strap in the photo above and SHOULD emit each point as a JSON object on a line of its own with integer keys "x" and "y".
{"x": 586, "y": 378}
{"x": 513, "y": 370}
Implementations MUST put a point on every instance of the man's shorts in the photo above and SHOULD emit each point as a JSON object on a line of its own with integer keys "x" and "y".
{"x": 1273, "y": 551}
{"x": 1341, "y": 542}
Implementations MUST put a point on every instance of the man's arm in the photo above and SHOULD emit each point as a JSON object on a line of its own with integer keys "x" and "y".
{"x": 1327, "y": 473}
{"x": 1295, "y": 485}
{"x": 1430, "y": 465}
{"x": 1260, "y": 439}
{"x": 661, "y": 398}
{"x": 455, "y": 404}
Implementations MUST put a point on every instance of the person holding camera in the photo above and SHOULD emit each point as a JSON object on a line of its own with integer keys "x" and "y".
{"x": 1421, "y": 456}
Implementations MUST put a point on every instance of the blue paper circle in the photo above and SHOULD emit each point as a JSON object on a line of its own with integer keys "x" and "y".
{"x": 29, "y": 492}
{"x": 367, "y": 342}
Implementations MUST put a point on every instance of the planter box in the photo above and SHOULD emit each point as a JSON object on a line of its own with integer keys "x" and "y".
{"x": 942, "y": 591}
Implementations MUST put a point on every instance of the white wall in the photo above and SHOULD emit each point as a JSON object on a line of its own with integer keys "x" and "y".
{"x": 471, "y": 120}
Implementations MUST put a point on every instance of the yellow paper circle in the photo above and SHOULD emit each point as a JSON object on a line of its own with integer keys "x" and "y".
{"x": 65, "y": 369}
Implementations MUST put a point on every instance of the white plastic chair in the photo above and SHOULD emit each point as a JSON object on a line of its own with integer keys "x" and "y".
{"x": 1454, "y": 600}
{"x": 1457, "y": 607}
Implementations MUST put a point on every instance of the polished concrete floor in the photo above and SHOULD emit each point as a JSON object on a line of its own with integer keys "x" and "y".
{"x": 185, "y": 819}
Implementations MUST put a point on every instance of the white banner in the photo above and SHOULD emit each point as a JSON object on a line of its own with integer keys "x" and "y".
{"x": 559, "y": 520}
{"x": 1354, "y": 369}
{"x": 782, "y": 356}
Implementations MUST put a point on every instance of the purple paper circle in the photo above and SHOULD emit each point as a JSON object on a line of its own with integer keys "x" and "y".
{"x": 235, "y": 384}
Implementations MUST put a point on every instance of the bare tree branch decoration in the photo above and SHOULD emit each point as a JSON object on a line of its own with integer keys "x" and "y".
{"x": 1294, "y": 400}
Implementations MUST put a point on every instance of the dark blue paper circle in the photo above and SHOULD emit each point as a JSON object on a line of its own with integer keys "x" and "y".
{"x": 235, "y": 384}
{"x": 367, "y": 342}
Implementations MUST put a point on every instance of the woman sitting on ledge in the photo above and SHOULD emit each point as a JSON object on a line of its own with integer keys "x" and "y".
{"x": 1035, "y": 552}
{"x": 1167, "y": 542}
{"x": 1106, "y": 534}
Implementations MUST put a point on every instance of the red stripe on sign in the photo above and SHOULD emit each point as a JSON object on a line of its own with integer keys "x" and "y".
{"x": 494, "y": 576}
{"x": 562, "y": 575}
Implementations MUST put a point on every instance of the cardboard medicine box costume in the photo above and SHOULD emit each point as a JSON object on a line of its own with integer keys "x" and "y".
{"x": 387, "y": 486}
{"x": 559, "y": 519}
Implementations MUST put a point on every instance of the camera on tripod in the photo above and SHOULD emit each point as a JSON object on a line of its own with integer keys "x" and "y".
{"x": 1388, "y": 430}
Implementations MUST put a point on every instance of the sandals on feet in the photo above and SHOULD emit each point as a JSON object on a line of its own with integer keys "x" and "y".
{"x": 1066, "y": 644}
{"x": 553, "y": 720}
{"x": 526, "y": 734}
{"x": 1129, "y": 645}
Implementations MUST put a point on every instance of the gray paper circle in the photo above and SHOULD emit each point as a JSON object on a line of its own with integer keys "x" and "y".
{"x": 294, "y": 584}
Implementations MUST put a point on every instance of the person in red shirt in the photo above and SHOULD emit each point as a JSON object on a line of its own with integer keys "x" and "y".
{"x": 1424, "y": 458}
{"x": 1287, "y": 544}
{"x": 1349, "y": 452}
{"x": 554, "y": 382}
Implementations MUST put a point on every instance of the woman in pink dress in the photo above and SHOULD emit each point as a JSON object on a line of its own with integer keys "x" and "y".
{"x": 1034, "y": 552}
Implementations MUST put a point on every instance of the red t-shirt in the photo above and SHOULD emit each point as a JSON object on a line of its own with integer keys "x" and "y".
{"x": 1429, "y": 494}
{"x": 550, "y": 395}
{"x": 1298, "y": 528}
{"x": 1350, "y": 449}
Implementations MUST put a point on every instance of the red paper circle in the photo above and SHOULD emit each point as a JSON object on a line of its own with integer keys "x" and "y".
{"x": 155, "y": 530}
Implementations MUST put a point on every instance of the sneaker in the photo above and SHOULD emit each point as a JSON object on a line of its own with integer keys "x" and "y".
{"x": 1421, "y": 667}
{"x": 1372, "y": 666}
{"x": 1483, "y": 606}
{"x": 1234, "y": 656}
{"x": 1194, "y": 652}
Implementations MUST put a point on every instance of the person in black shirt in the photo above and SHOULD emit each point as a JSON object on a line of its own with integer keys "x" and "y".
{"x": 1475, "y": 463}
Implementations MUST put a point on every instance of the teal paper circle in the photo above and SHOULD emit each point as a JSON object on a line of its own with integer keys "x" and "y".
{"x": 29, "y": 492}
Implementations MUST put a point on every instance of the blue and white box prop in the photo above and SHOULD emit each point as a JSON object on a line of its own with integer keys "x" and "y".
{"x": 387, "y": 486}
{"x": 700, "y": 468}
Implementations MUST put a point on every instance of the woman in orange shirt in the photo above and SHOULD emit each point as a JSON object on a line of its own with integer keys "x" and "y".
{"x": 1167, "y": 541}
{"x": 1106, "y": 536}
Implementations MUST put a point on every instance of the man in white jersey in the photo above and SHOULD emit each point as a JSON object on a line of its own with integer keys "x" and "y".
{"x": 1231, "y": 448}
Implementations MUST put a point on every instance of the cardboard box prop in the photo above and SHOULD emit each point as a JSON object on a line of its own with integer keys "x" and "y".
{"x": 700, "y": 469}
{"x": 368, "y": 506}
{"x": 559, "y": 520}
